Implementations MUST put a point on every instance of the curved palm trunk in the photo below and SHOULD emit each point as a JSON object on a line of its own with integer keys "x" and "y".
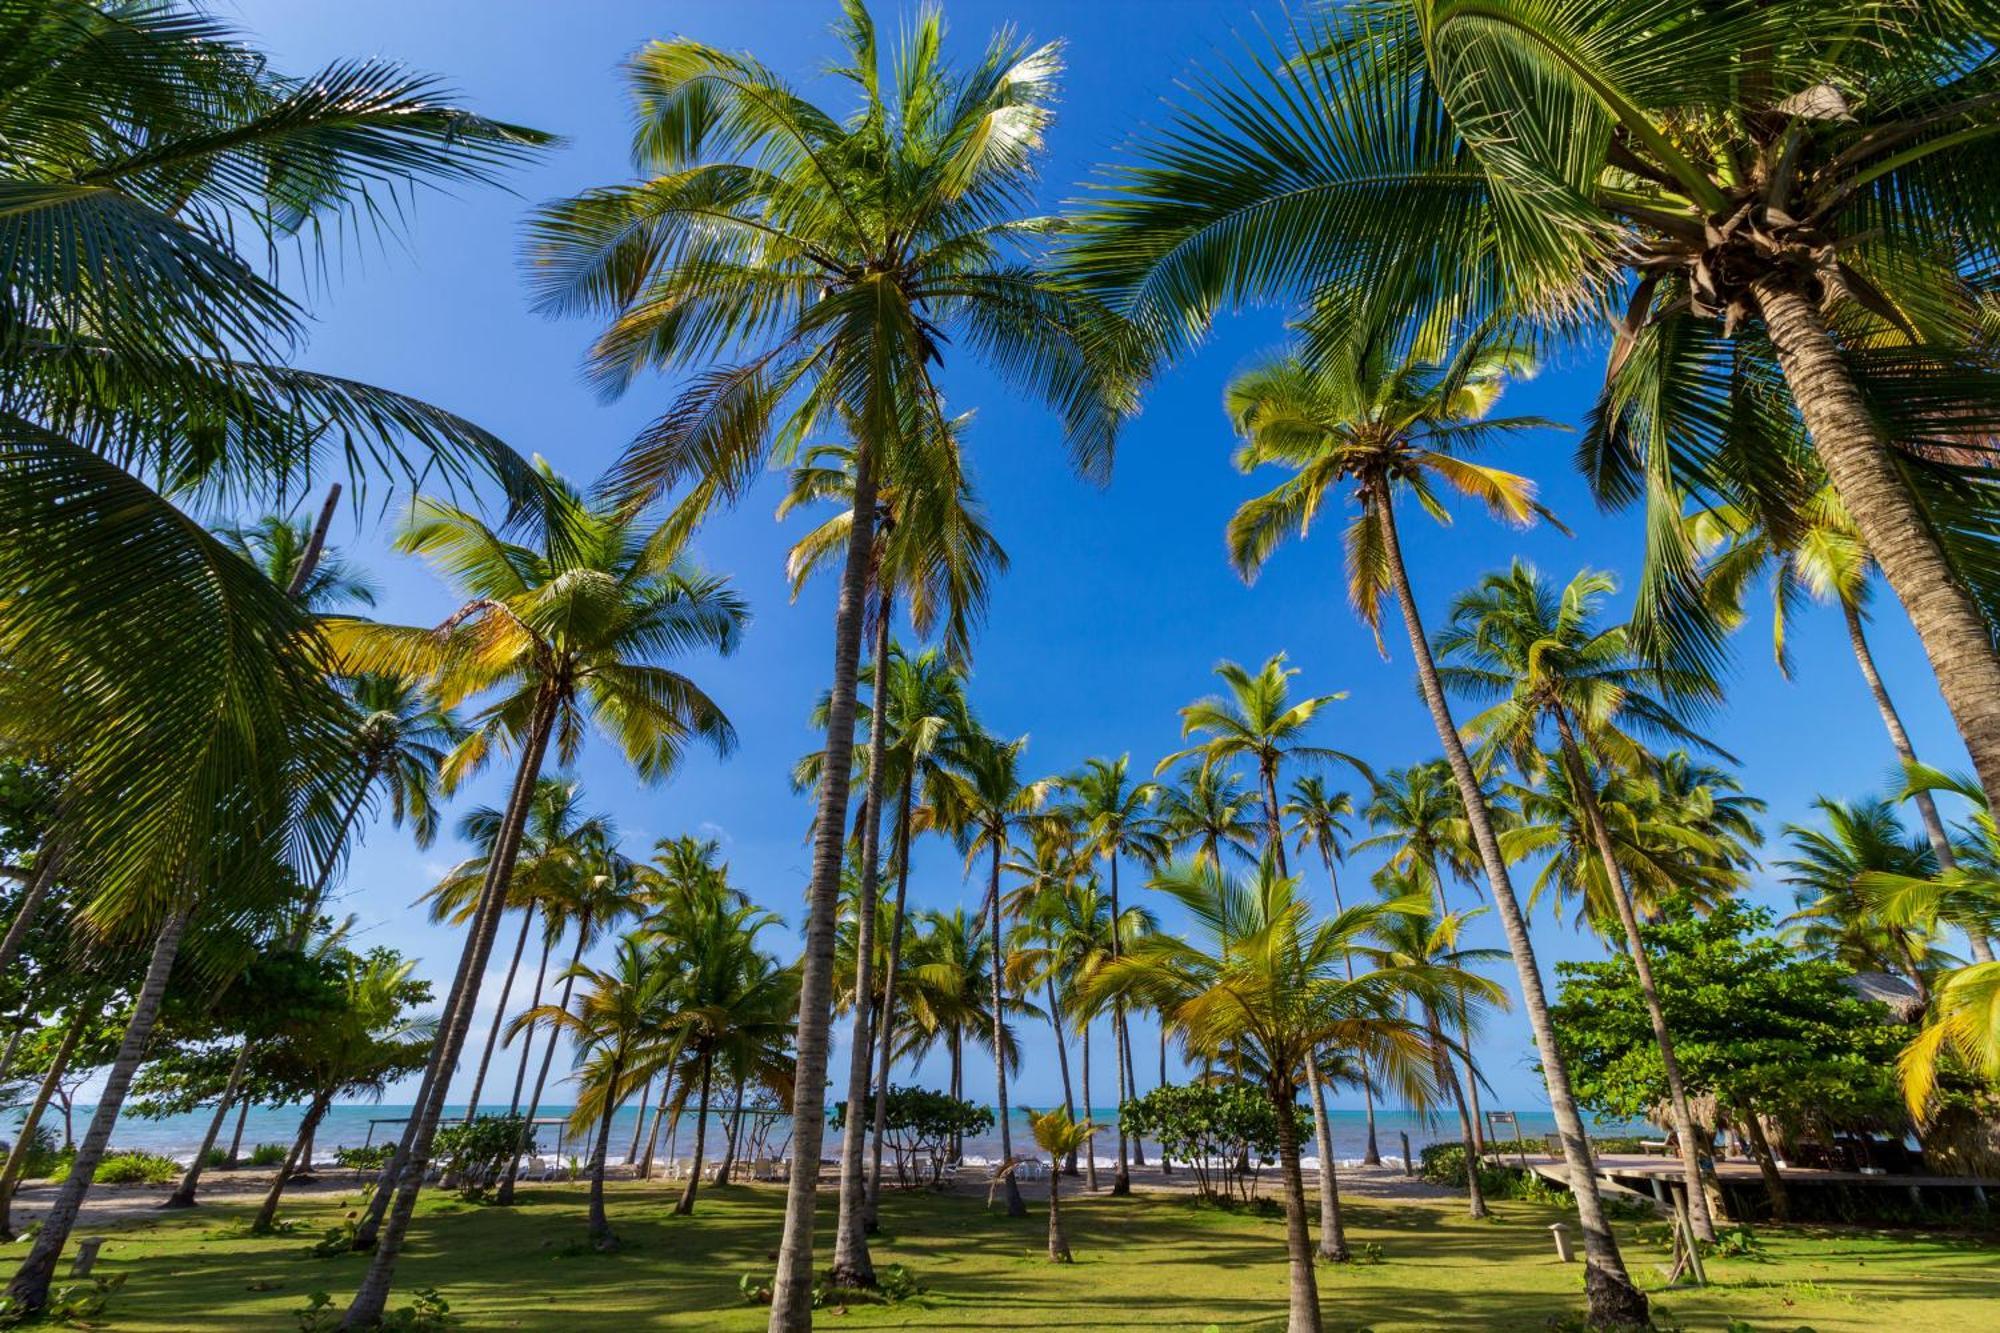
{"x": 527, "y": 1038}
{"x": 505, "y": 1195}
{"x": 236, "y": 1139}
{"x": 885, "y": 1046}
{"x": 733, "y": 1136}
{"x": 1058, "y": 1239}
{"x": 1861, "y": 465}
{"x": 792, "y": 1288}
{"x": 1447, "y": 1074}
{"x": 299, "y": 1157}
{"x": 499, "y": 1016}
{"x": 1472, "y": 1095}
{"x": 1089, "y": 1149}
{"x": 1068, "y": 1167}
{"x": 183, "y": 1195}
{"x": 957, "y": 1083}
{"x": 1303, "y": 1312}
{"x": 1332, "y": 1235}
{"x": 1612, "y": 1298}
{"x": 685, "y": 1204}
{"x": 659, "y": 1114}
{"x": 30, "y": 1288}
{"x": 47, "y": 866}
{"x": 1131, "y": 1079}
{"x": 1016, "y": 1206}
{"x": 1927, "y": 811}
{"x": 24, "y": 1138}
{"x": 1614, "y": 874}
{"x": 1121, "y": 1180}
{"x": 601, "y": 1236}
{"x": 852, "y": 1265}
{"x": 366, "y": 1310}
{"x": 639, "y": 1127}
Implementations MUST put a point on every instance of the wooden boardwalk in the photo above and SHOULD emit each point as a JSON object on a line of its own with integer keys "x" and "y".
{"x": 1656, "y": 1178}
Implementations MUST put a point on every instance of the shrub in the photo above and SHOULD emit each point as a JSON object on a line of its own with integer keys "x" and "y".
{"x": 269, "y": 1154}
{"x": 216, "y": 1157}
{"x": 372, "y": 1158}
{"x": 136, "y": 1168}
{"x": 920, "y": 1125}
{"x": 44, "y": 1159}
{"x": 477, "y": 1153}
{"x": 1210, "y": 1127}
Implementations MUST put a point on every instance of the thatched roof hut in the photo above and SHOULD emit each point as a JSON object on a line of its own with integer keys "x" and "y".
{"x": 1898, "y": 995}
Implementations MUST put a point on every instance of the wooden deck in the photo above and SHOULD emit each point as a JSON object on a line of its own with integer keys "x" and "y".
{"x": 1657, "y": 1177}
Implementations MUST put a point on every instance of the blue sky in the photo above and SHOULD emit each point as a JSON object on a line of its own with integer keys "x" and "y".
{"x": 1119, "y": 602}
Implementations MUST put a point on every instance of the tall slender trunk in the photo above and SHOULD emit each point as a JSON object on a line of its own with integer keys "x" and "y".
{"x": 24, "y": 1139}
{"x": 659, "y": 1114}
{"x": 1303, "y": 1313}
{"x": 365, "y": 1311}
{"x": 1472, "y": 1094}
{"x": 685, "y": 1204}
{"x": 505, "y": 1195}
{"x": 527, "y": 1038}
{"x": 639, "y": 1127}
{"x": 1332, "y": 1236}
{"x": 183, "y": 1195}
{"x": 1611, "y": 1297}
{"x": 1068, "y": 1165}
{"x": 48, "y": 864}
{"x": 1166, "y": 1166}
{"x": 1131, "y": 1078}
{"x": 1861, "y": 465}
{"x": 957, "y": 1083}
{"x": 1927, "y": 811}
{"x": 236, "y": 1139}
{"x": 792, "y": 1288}
{"x": 1058, "y": 1240}
{"x": 1621, "y": 897}
{"x": 12, "y": 1048}
{"x": 885, "y": 1046}
{"x": 499, "y": 1015}
{"x": 30, "y": 1287}
{"x": 602, "y": 1238}
{"x": 1447, "y": 1073}
{"x": 733, "y": 1135}
{"x": 1089, "y": 1114}
{"x": 299, "y": 1156}
{"x": 1371, "y": 1155}
{"x": 1016, "y": 1206}
{"x": 1121, "y": 1179}
{"x": 852, "y": 1264}
{"x": 315, "y": 545}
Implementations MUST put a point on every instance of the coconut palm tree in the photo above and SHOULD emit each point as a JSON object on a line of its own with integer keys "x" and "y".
{"x": 1205, "y": 809}
{"x": 283, "y": 549}
{"x": 1821, "y": 557}
{"x": 1837, "y": 917}
{"x": 815, "y": 265}
{"x": 983, "y": 803}
{"x": 1264, "y": 976}
{"x": 1113, "y": 817}
{"x": 1960, "y": 1028}
{"x": 559, "y": 639}
{"x": 1059, "y": 1134}
{"x": 1546, "y": 666}
{"x": 950, "y": 997}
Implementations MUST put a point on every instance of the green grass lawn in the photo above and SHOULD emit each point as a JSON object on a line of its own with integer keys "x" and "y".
{"x": 1143, "y": 1262}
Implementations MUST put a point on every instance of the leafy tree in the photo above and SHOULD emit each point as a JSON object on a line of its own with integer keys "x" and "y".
{"x": 1764, "y": 1031}
{"x": 922, "y": 1127}
{"x": 1211, "y": 1127}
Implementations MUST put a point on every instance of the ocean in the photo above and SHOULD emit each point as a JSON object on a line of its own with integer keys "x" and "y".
{"x": 358, "y": 1124}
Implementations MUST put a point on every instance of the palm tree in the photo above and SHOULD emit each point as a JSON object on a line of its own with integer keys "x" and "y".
{"x": 1059, "y": 1134}
{"x": 1113, "y": 817}
{"x": 1822, "y": 557}
{"x": 1837, "y": 917}
{"x": 1959, "y": 1028}
{"x": 1206, "y": 809}
{"x": 561, "y": 639}
{"x": 950, "y": 997}
{"x": 1319, "y": 821}
{"x": 1420, "y": 815}
{"x": 1266, "y": 978}
{"x": 983, "y": 803}
{"x": 283, "y": 549}
{"x": 1545, "y": 664}
{"x": 814, "y": 265}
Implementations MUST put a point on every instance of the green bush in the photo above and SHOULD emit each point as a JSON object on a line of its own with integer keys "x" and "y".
{"x": 136, "y": 1168}
{"x": 476, "y": 1154}
{"x": 372, "y": 1158}
{"x": 216, "y": 1157}
{"x": 1210, "y": 1127}
{"x": 270, "y": 1154}
{"x": 44, "y": 1159}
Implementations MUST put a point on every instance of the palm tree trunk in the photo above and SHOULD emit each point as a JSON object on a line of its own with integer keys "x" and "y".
{"x": 1614, "y": 874}
{"x": 1611, "y": 1297}
{"x": 685, "y": 1205}
{"x": 1472, "y": 1095}
{"x": 1090, "y": 1149}
{"x": 792, "y": 1287}
{"x": 639, "y": 1128}
{"x": 30, "y": 1288}
{"x": 267, "y": 1214}
{"x": 1166, "y": 1166}
{"x": 505, "y": 1195}
{"x": 1862, "y": 468}
{"x": 852, "y": 1265}
{"x": 1332, "y": 1236}
{"x": 1058, "y": 1241}
{"x": 48, "y": 864}
{"x": 1121, "y": 1180}
{"x": 957, "y": 1083}
{"x": 601, "y": 1237}
{"x": 1927, "y": 811}
{"x": 1447, "y": 1074}
{"x": 1068, "y": 1166}
{"x": 236, "y": 1139}
{"x": 1016, "y": 1206}
{"x": 885, "y": 1046}
{"x": 365, "y": 1311}
{"x": 1131, "y": 1078}
{"x": 733, "y": 1136}
{"x": 1303, "y": 1315}
{"x": 527, "y": 1038}
{"x": 659, "y": 1114}
{"x": 13, "y": 1047}
{"x": 499, "y": 1015}
{"x": 24, "y": 1138}
{"x": 183, "y": 1195}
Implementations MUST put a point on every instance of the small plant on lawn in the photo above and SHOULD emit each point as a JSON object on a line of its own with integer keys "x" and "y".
{"x": 136, "y": 1168}
{"x": 269, "y": 1154}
